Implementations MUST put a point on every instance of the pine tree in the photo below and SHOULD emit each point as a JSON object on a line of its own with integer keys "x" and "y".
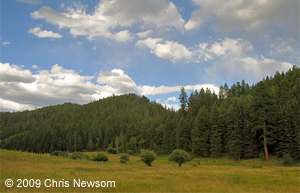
{"x": 216, "y": 146}
{"x": 236, "y": 128}
{"x": 263, "y": 111}
{"x": 200, "y": 133}
{"x": 183, "y": 135}
{"x": 183, "y": 98}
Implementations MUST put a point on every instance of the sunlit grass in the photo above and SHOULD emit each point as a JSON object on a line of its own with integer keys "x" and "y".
{"x": 201, "y": 175}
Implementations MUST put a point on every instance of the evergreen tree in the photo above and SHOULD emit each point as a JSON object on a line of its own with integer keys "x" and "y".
{"x": 183, "y": 98}
{"x": 263, "y": 110}
{"x": 216, "y": 146}
{"x": 183, "y": 135}
{"x": 200, "y": 133}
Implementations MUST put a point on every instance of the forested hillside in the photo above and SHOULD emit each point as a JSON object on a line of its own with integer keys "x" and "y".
{"x": 241, "y": 121}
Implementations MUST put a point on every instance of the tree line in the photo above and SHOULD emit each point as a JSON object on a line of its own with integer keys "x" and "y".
{"x": 240, "y": 121}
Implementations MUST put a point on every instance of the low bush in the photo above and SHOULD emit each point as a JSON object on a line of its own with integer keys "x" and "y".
{"x": 100, "y": 157}
{"x": 124, "y": 158}
{"x": 112, "y": 150}
{"x": 179, "y": 156}
{"x": 59, "y": 154}
{"x": 148, "y": 157}
{"x": 78, "y": 155}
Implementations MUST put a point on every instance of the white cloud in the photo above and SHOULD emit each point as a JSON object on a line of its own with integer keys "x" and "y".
{"x": 231, "y": 47}
{"x": 117, "y": 81}
{"x": 232, "y": 15}
{"x": 22, "y": 90}
{"x": 168, "y": 106}
{"x": 287, "y": 49}
{"x": 13, "y": 73}
{"x": 32, "y": 2}
{"x": 35, "y": 67}
{"x": 144, "y": 34}
{"x": 5, "y": 43}
{"x": 123, "y": 36}
{"x": 166, "y": 49}
{"x": 248, "y": 68}
{"x": 152, "y": 90}
{"x": 6, "y": 105}
{"x": 110, "y": 14}
{"x": 44, "y": 33}
{"x": 171, "y": 99}
{"x": 231, "y": 57}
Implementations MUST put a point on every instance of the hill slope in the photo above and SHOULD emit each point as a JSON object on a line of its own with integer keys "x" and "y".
{"x": 94, "y": 125}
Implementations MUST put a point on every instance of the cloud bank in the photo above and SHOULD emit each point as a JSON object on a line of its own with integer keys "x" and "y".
{"x": 23, "y": 90}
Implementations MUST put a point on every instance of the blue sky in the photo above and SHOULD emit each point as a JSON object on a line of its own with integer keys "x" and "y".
{"x": 78, "y": 51}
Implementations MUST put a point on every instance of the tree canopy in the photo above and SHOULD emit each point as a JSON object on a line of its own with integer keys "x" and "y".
{"x": 241, "y": 121}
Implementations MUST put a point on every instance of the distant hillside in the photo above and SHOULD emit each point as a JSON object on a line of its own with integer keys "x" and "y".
{"x": 240, "y": 121}
{"x": 94, "y": 125}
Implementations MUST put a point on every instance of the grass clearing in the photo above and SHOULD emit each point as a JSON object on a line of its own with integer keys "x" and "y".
{"x": 211, "y": 175}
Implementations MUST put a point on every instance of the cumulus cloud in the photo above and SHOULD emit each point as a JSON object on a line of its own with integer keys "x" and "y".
{"x": 13, "y": 73}
{"x": 112, "y": 14}
{"x": 234, "y": 58}
{"x": 171, "y": 99}
{"x": 144, "y": 34}
{"x": 152, "y": 90}
{"x": 117, "y": 81}
{"x": 35, "y": 67}
{"x": 233, "y": 15}
{"x": 230, "y": 47}
{"x": 166, "y": 49}
{"x": 22, "y": 90}
{"x": 44, "y": 33}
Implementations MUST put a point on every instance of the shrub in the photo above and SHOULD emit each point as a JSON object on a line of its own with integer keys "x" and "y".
{"x": 148, "y": 157}
{"x": 179, "y": 156}
{"x": 287, "y": 160}
{"x": 130, "y": 152}
{"x": 112, "y": 150}
{"x": 100, "y": 157}
{"x": 124, "y": 158}
{"x": 78, "y": 155}
{"x": 59, "y": 154}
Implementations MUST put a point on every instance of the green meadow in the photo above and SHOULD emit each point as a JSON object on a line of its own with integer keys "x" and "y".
{"x": 199, "y": 175}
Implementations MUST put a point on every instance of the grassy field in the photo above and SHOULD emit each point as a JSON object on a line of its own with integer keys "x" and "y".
{"x": 201, "y": 175}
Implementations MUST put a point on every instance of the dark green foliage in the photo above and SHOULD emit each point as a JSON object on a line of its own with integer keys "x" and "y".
{"x": 183, "y": 98}
{"x": 111, "y": 150}
{"x": 59, "y": 154}
{"x": 124, "y": 158}
{"x": 242, "y": 123}
{"x": 179, "y": 156}
{"x": 216, "y": 145}
{"x": 183, "y": 136}
{"x": 79, "y": 155}
{"x": 100, "y": 157}
{"x": 148, "y": 157}
{"x": 200, "y": 134}
{"x": 287, "y": 160}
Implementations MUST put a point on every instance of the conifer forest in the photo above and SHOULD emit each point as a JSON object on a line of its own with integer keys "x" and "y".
{"x": 242, "y": 121}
